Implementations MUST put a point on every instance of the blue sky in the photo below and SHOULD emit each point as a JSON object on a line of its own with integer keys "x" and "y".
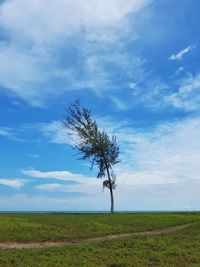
{"x": 136, "y": 65}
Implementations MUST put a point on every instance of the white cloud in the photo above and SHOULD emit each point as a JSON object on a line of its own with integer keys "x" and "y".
{"x": 162, "y": 161}
{"x": 55, "y": 132}
{"x": 5, "y": 132}
{"x": 160, "y": 167}
{"x": 41, "y": 203}
{"x": 9, "y": 133}
{"x": 30, "y": 55}
{"x": 79, "y": 183}
{"x": 53, "y": 187}
{"x": 134, "y": 88}
{"x": 33, "y": 23}
{"x": 132, "y": 85}
{"x": 88, "y": 188}
{"x": 180, "y": 54}
{"x": 121, "y": 105}
{"x": 168, "y": 153}
{"x": 188, "y": 95}
{"x": 58, "y": 175}
{"x": 164, "y": 154}
{"x": 34, "y": 156}
{"x": 144, "y": 178}
{"x": 159, "y": 164}
{"x": 14, "y": 183}
{"x": 52, "y": 132}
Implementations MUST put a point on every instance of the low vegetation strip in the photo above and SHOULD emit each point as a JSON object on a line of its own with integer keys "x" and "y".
{"x": 14, "y": 245}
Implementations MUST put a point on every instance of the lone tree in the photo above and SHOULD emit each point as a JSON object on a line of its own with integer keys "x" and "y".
{"x": 93, "y": 144}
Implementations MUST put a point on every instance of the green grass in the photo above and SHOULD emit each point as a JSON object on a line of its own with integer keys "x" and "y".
{"x": 23, "y": 227}
{"x": 174, "y": 249}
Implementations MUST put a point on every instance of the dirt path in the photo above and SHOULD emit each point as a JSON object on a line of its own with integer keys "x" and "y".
{"x": 15, "y": 245}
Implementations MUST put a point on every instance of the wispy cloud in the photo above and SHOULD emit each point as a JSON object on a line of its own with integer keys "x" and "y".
{"x": 43, "y": 202}
{"x": 161, "y": 163}
{"x": 187, "y": 96}
{"x": 77, "y": 185}
{"x": 182, "y": 53}
{"x": 70, "y": 16}
{"x": 36, "y": 43}
{"x": 52, "y": 187}
{"x": 34, "y": 156}
{"x": 14, "y": 183}
{"x": 55, "y": 132}
{"x": 10, "y": 134}
{"x": 167, "y": 153}
{"x": 58, "y": 175}
{"x": 51, "y": 132}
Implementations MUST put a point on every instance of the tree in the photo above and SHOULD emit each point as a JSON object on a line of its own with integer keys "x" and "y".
{"x": 93, "y": 144}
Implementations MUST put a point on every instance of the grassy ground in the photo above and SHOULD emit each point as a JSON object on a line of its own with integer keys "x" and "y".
{"x": 23, "y": 227}
{"x": 177, "y": 249}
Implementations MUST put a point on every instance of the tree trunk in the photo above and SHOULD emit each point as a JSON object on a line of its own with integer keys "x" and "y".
{"x": 111, "y": 190}
{"x": 112, "y": 199}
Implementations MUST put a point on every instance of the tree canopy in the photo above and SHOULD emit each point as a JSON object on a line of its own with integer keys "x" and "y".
{"x": 93, "y": 144}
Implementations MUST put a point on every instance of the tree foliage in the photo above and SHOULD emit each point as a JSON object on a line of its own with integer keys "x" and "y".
{"x": 93, "y": 144}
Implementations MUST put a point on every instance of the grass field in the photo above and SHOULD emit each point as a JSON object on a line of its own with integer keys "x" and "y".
{"x": 173, "y": 249}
